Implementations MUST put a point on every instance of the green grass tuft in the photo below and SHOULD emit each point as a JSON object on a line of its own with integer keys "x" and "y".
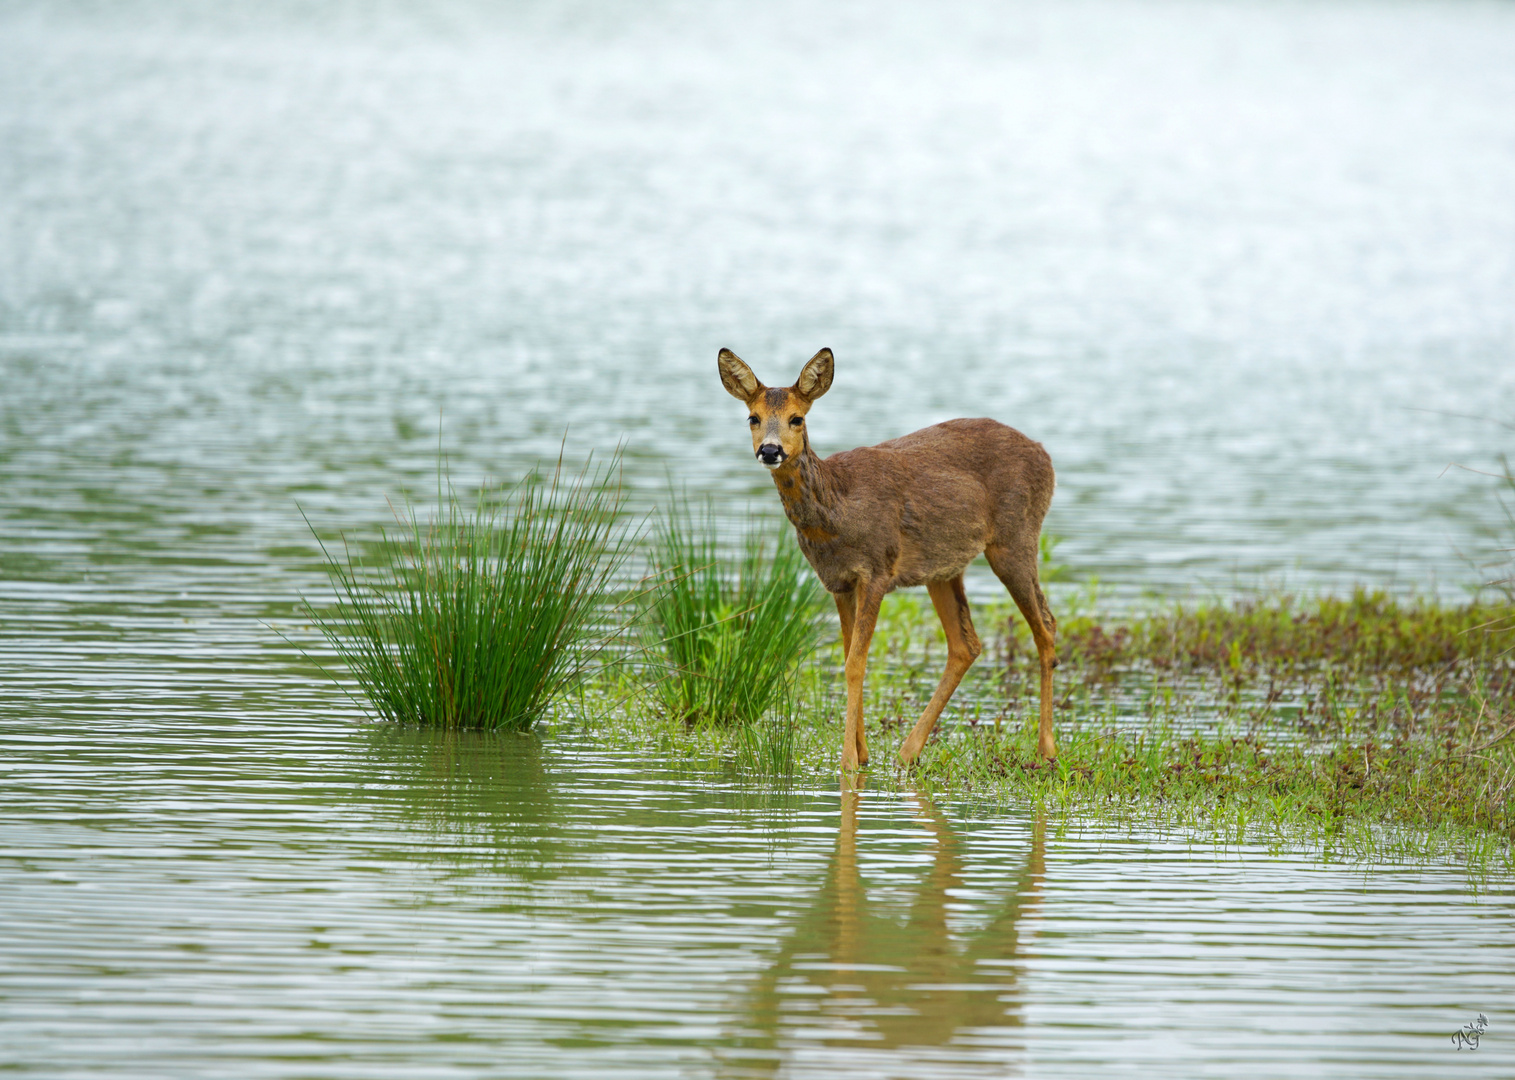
{"x": 479, "y": 619}
{"x": 727, "y": 632}
{"x": 1366, "y": 633}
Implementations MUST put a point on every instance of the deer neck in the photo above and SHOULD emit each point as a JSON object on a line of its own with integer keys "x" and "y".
{"x": 806, "y": 492}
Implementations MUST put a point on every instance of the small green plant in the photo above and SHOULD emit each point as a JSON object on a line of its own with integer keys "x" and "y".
{"x": 479, "y": 619}
{"x": 728, "y": 631}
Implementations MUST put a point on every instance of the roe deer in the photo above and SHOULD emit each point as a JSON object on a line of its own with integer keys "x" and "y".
{"x": 911, "y": 511}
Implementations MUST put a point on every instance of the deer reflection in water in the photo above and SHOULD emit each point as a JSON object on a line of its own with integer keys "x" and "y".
{"x": 856, "y": 973}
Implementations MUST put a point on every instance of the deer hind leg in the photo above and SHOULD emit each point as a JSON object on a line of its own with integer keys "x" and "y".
{"x": 1016, "y": 567}
{"x": 870, "y": 595}
{"x": 846, "y": 608}
{"x": 963, "y": 647}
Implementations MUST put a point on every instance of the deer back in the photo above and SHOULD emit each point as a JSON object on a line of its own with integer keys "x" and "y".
{"x": 920, "y": 508}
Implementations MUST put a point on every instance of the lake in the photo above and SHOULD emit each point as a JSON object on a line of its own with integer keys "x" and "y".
{"x": 1247, "y": 270}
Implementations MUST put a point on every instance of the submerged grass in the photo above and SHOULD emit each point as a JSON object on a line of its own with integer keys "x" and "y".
{"x": 1368, "y": 722}
{"x": 478, "y": 618}
{"x": 728, "y": 632}
{"x": 1368, "y": 632}
{"x": 1370, "y": 726}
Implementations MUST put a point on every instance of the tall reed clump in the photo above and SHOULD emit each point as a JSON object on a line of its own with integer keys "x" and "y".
{"x": 479, "y": 618}
{"x": 728, "y": 631}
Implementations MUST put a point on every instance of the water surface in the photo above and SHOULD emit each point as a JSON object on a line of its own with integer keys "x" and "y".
{"x": 279, "y": 899}
{"x": 1246, "y": 269}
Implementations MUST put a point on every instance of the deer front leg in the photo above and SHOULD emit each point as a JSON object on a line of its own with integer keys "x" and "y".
{"x": 1046, "y": 744}
{"x": 869, "y": 596}
{"x": 963, "y": 647}
{"x": 846, "y": 609}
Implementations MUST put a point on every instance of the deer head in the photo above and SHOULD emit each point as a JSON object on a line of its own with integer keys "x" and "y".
{"x": 776, "y": 415}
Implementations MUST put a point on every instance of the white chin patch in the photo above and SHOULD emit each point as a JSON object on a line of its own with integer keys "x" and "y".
{"x": 773, "y": 464}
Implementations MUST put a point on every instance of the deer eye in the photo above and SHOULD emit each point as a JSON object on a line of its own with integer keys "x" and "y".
{"x": 796, "y": 421}
{"x": 753, "y": 420}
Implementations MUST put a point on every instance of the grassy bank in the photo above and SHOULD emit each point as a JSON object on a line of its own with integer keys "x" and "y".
{"x": 1366, "y": 723}
{"x": 1369, "y": 725}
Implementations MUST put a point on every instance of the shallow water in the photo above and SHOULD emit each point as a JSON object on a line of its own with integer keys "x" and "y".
{"x": 1246, "y": 270}
{"x": 282, "y": 899}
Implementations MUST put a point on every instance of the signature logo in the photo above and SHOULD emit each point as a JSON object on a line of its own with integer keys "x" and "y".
{"x": 1467, "y": 1038}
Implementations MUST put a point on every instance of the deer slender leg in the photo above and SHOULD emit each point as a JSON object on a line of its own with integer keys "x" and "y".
{"x": 1017, "y": 569}
{"x": 963, "y": 647}
{"x": 870, "y": 594}
{"x": 846, "y": 607}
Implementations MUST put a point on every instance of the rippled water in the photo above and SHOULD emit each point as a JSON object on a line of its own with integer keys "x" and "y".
{"x": 261, "y": 898}
{"x": 1246, "y": 269}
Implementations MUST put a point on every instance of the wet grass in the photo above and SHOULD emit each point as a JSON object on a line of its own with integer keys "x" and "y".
{"x": 1368, "y": 722}
{"x": 1364, "y": 634}
{"x": 478, "y": 618}
{"x": 1369, "y": 725}
{"x": 725, "y": 633}
{"x": 1305, "y": 714}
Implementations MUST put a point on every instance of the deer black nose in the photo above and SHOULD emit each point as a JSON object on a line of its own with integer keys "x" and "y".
{"x": 770, "y": 453}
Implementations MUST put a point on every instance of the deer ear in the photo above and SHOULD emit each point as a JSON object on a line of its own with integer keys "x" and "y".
{"x": 815, "y": 380}
{"x": 737, "y": 377}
